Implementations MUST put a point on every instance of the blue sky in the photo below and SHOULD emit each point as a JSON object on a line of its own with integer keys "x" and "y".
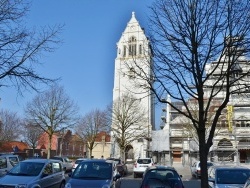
{"x": 85, "y": 60}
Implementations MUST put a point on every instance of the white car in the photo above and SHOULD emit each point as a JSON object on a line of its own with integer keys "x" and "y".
{"x": 141, "y": 165}
{"x": 196, "y": 169}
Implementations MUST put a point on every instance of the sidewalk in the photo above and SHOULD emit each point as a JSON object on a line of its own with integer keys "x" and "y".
{"x": 183, "y": 170}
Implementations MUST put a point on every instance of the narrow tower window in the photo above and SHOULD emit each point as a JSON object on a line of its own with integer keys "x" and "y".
{"x": 124, "y": 51}
{"x": 140, "y": 49}
{"x": 132, "y": 46}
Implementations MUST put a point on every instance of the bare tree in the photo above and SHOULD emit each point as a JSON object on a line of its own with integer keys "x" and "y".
{"x": 32, "y": 134}
{"x": 21, "y": 48}
{"x": 10, "y": 126}
{"x": 128, "y": 122}
{"x": 52, "y": 111}
{"x": 198, "y": 45}
{"x": 90, "y": 125}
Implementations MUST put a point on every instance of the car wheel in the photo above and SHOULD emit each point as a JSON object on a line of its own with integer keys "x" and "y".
{"x": 62, "y": 185}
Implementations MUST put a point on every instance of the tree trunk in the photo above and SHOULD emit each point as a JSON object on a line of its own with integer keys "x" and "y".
{"x": 33, "y": 151}
{"x": 49, "y": 146}
{"x": 203, "y": 158}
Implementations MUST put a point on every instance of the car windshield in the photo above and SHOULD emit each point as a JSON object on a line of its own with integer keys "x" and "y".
{"x": 27, "y": 169}
{"x": 232, "y": 176}
{"x": 162, "y": 178}
{"x": 144, "y": 161}
{"x": 93, "y": 170}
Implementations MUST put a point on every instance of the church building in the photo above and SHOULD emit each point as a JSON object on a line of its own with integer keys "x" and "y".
{"x": 133, "y": 54}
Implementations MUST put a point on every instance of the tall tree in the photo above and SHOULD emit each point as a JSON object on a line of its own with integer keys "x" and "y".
{"x": 10, "y": 126}
{"x": 128, "y": 120}
{"x": 197, "y": 46}
{"x": 21, "y": 47}
{"x": 52, "y": 111}
{"x": 90, "y": 125}
{"x": 32, "y": 134}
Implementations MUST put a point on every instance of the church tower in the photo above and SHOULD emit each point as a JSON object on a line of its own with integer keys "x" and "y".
{"x": 133, "y": 54}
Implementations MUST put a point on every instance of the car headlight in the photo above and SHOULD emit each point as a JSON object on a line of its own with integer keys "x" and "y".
{"x": 105, "y": 186}
{"x": 68, "y": 185}
{"x": 21, "y": 186}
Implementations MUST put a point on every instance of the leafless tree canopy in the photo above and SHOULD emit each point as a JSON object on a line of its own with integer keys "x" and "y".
{"x": 128, "y": 121}
{"x": 32, "y": 134}
{"x": 21, "y": 48}
{"x": 10, "y": 126}
{"x": 52, "y": 111}
{"x": 187, "y": 36}
{"x": 90, "y": 125}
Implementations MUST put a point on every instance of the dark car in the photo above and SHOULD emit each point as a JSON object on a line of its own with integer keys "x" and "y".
{"x": 35, "y": 173}
{"x": 122, "y": 169}
{"x": 247, "y": 183}
{"x": 119, "y": 166}
{"x": 161, "y": 176}
{"x": 92, "y": 174}
{"x": 227, "y": 176}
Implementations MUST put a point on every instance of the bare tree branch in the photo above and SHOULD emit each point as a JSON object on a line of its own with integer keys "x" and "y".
{"x": 22, "y": 48}
{"x": 90, "y": 125}
{"x": 53, "y": 111}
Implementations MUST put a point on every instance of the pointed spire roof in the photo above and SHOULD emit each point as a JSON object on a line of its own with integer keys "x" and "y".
{"x": 133, "y": 19}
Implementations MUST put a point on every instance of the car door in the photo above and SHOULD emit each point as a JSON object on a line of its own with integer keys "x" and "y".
{"x": 58, "y": 174}
{"x": 47, "y": 179}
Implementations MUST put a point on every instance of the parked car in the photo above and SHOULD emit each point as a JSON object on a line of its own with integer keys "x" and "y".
{"x": 141, "y": 165}
{"x": 35, "y": 173}
{"x": 227, "y": 176}
{"x": 92, "y": 174}
{"x": 77, "y": 162}
{"x": 161, "y": 176}
{"x": 130, "y": 164}
{"x": 67, "y": 164}
{"x": 7, "y": 162}
{"x": 122, "y": 169}
{"x": 196, "y": 168}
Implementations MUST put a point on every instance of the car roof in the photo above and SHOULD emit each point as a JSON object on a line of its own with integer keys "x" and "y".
{"x": 39, "y": 160}
{"x": 161, "y": 167}
{"x": 229, "y": 167}
{"x": 82, "y": 159}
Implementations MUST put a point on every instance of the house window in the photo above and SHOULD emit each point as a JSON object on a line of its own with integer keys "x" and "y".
{"x": 132, "y": 46}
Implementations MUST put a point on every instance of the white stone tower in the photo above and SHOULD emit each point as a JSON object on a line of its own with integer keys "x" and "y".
{"x": 133, "y": 51}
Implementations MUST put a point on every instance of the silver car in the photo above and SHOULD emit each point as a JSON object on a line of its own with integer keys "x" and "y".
{"x": 39, "y": 173}
{"x": 7, "y": 162}
{"x": 227, "y": 176}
